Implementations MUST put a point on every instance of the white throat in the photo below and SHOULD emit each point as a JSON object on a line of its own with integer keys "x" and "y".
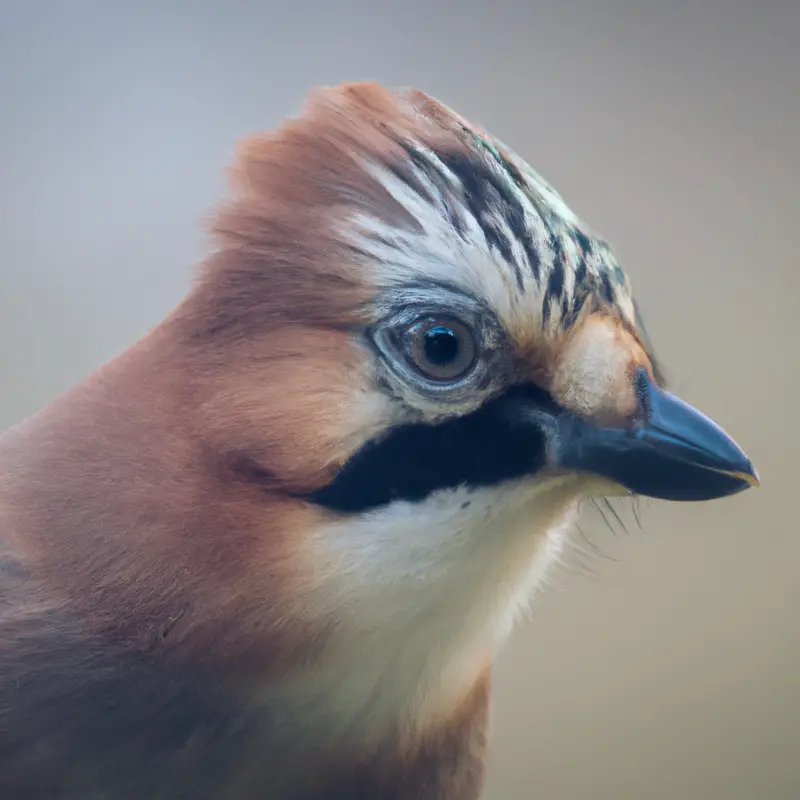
{"x": 425, "y": 594}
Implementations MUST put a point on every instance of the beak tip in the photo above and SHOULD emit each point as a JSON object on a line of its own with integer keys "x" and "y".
{"x": 745, "y": 475}
{"x": 752, "y": 478}
{"x": 744, "y": 471}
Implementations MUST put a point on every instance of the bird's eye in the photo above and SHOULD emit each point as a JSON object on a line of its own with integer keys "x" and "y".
{"x": 440, "y": 349}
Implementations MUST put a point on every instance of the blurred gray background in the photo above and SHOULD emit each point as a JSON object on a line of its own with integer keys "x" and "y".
{"x": 668, "y": 666}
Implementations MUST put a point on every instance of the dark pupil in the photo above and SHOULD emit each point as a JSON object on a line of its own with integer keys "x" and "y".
{"x": 441, "y": 345}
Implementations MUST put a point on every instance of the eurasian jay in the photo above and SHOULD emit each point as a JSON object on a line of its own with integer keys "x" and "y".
{"x": 272, "y": 549}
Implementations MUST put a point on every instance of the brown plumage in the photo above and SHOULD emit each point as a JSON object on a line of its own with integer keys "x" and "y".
{"x": 259, "y": 554}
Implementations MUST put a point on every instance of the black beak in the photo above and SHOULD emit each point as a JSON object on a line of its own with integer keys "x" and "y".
{"x": 672, "y": 452}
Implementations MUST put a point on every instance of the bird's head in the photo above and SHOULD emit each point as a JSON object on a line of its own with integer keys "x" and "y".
{"x": 426, "y": 359}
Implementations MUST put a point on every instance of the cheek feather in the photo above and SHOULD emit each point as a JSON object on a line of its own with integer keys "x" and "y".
{"x": 297, "y": 438}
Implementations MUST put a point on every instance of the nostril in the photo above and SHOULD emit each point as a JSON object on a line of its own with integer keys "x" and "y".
{"x": 644, "y": 394}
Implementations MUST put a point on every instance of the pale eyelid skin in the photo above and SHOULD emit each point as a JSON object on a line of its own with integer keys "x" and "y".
{"x": 403, "y": 307}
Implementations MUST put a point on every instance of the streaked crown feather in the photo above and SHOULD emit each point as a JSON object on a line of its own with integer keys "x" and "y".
{"x": 369, "y": 188}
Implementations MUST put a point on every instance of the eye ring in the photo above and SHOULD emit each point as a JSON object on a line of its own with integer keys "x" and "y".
{"x": 441, "y": 349}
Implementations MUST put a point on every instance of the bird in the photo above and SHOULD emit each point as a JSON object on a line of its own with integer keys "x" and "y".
{"x": 273, "y": 548}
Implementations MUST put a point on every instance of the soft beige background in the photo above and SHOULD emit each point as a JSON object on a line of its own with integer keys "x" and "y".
{"x": 671, "y": 672}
